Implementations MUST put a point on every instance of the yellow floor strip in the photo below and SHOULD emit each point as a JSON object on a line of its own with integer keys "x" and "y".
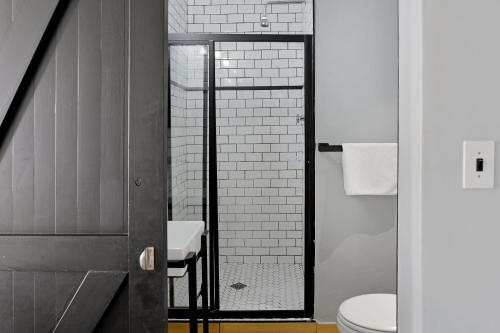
{"x": 184, "y": 328}
{"x": 250, "y": 327}
{"x": 327, "y": 328}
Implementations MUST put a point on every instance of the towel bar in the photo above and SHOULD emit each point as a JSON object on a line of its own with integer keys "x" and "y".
{"x": 326, "y": 147}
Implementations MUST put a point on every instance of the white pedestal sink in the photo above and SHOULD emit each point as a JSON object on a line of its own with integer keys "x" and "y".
{"x": 183, "y": 237}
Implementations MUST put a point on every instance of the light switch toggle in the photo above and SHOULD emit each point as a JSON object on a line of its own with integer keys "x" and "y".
{"x": 478, "y": 164}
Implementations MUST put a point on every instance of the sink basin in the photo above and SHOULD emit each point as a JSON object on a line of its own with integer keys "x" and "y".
{"x": 183, "y": 237}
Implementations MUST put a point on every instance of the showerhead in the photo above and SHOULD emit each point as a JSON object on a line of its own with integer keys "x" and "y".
{"x": 264, "y": 21}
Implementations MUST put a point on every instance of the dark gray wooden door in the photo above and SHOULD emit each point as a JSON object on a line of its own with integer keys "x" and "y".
{"x": 81, "y": 165}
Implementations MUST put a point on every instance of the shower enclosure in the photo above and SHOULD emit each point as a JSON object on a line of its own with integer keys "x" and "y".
{"x": 241, "y": 158}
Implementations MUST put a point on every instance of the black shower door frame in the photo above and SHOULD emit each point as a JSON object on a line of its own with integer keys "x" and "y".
{"x": 210, "y": 139}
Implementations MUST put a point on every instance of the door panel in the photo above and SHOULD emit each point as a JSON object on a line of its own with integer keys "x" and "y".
{"x": 20, "y": 37}
{"x": 63, "y": 149}
{"x": 5, "y": 18}
{"x": 49, "y": 301}
{"x": 44, "y": 150}
{"x": 68, "y": 261}
{"x": 35, "y": 299}
{"x": 63, "y": 253}
{"x": 100, "y": 287}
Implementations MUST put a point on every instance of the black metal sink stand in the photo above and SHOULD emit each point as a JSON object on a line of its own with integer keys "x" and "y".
{"x": 190, "y": 261}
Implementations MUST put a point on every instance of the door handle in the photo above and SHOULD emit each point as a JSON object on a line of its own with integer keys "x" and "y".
{"x": 147, "y": 259}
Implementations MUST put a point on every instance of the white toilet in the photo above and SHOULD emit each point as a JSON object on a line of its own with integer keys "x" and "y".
{"x": 373, "y": 313}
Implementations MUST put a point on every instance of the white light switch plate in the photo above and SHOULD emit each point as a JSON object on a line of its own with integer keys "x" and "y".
{"x": 474, "y": 150}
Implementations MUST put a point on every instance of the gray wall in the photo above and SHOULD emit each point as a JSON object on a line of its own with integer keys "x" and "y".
{"x": 460, "y": 227}
{"x": 356, "y": 101}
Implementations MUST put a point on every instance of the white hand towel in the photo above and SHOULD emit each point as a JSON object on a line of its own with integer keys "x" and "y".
{"x": 370, "y": 168}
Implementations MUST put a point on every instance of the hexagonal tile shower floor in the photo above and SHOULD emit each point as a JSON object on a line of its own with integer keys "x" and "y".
{"x": 255, "y": 287}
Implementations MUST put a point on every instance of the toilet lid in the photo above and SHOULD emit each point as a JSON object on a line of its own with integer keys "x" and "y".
{"x": 375, "y": 312}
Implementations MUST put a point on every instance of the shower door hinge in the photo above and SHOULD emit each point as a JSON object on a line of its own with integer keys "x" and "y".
{"x": 147, "y": 259}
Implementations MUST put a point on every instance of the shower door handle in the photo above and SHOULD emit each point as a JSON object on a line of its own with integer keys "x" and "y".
{"x": 147, "y": 259}
{"x": 299, "y": 118}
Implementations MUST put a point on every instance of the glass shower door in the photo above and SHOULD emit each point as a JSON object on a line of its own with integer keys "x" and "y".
{"x": 260, "y": 169}
{"x": 187, "y": 146}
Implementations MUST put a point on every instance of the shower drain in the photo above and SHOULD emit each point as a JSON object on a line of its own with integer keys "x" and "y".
{"x": 238, "y": 286}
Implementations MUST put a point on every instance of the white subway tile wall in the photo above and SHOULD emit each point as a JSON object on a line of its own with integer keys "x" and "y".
{"x": 186, "y": 137}
{"x": 178, "y": 148}
{"x": 243, "y": 16}
{"x": 177, "y": 16}
{"x": 260, "y": 147}
{"x": 177, "y": 22}
{"x": 260, "y": 154}
{"x": 259, "y": 64}
{"x": 194, "y": 130}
